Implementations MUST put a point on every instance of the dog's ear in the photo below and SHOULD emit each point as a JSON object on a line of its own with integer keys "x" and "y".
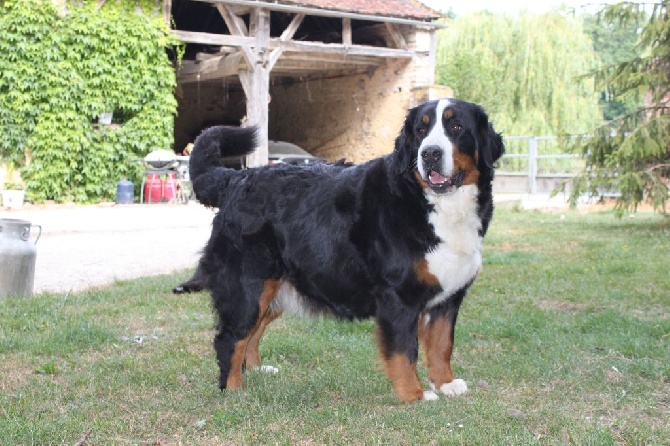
{"x": 491, "y": 146}
{"x": 405, "y": 141}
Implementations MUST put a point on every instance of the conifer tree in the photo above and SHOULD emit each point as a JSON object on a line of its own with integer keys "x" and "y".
{"x": 630, "y": 155}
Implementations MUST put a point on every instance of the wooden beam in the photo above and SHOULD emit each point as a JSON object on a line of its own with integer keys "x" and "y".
{"x": 237, "y": 28}
{"x": 397, "y": 36}
{"x": 341, "y": 59}
{"x": 223, "y": 51}
{"x": 331, "y": 48}
{"x": 212, "y": 39}
{"x": 235, "y": 24}
{"x": 354, "y": 50}
{"x": 204, "y": 60}
{"x": 298, "y": 68}
{"x": 286, "y": 36}
{"x": 260, "y": 21}
{"x": 298, "y": 74}
{"x": 292, "y": 28}
{"x": 216, "y": 67}
{"x": 240, "y": 10}
{"x": 346, "y": 32}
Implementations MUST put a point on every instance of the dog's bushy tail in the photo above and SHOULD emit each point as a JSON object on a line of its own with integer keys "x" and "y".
{"x": 206, "y": 168}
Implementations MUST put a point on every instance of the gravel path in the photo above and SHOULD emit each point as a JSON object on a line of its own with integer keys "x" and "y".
{"x": 91, "y": 246}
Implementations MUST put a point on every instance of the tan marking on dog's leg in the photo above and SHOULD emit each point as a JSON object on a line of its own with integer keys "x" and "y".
{"x": 436, "y": 337}
{"x": 252, "y": 358}
{"x": 402, "y": 374}
{"x": 235, "y": 380}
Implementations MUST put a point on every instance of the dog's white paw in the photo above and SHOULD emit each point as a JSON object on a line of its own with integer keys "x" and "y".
{"x": 267, "y": 369}
{"x": 456, "y": 387}
{"x": 429, "y": 395}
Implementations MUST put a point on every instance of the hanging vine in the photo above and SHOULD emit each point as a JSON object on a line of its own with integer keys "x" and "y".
{"x": 60, "y": 69}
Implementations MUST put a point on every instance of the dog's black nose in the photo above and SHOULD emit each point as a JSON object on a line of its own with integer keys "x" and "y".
{"x": 432, "y": 153}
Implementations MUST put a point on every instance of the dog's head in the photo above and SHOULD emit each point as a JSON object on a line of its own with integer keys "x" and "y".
{"x": 448, "y": 143}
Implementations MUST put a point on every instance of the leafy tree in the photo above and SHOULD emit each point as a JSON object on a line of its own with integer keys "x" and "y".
{"x": 60, "y": 70}
{"x": 630, "y": 155}
{"x": 524, "y": 70}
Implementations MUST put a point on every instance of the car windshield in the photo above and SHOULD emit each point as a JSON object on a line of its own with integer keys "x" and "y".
{"x": 278, "y": 149}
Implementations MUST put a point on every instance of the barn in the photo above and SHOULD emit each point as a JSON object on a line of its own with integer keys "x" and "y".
{"x": 333, "y": 76}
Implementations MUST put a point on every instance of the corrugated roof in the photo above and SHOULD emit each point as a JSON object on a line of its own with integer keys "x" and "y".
{"x": 410, "y": 9}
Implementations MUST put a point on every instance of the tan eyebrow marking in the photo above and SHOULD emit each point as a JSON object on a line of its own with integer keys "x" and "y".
{"x": 425, "y": 119}
{"x": 448, "y": 113}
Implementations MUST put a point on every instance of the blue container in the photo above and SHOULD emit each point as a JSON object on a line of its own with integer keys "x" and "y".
{"x": 124, "y": 192}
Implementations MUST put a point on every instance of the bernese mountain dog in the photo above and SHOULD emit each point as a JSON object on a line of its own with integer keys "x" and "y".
{"x": 398, "y": 239}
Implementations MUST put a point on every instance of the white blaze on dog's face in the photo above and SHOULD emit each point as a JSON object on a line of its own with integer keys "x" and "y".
{"x": 435, "y": 161}
{"x": 442, "y": 164}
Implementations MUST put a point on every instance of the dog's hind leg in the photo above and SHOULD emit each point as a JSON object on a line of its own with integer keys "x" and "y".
{"x": 231, "y": 345}
{"x": 252, "y": 357}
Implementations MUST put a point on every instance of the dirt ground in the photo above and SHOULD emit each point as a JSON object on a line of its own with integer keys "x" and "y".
{"x": 91, "y": 246}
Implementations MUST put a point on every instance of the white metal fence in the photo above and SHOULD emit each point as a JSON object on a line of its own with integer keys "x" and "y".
{"x": 535, "y": 164}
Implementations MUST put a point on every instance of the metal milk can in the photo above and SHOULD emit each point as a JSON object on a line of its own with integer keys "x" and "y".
{"x": 17, "y": 257}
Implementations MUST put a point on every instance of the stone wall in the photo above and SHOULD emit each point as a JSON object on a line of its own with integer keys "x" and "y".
{"x": 353, "y": 117}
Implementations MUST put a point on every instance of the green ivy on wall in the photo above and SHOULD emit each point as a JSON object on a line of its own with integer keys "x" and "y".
{"x": 60, "y": 68}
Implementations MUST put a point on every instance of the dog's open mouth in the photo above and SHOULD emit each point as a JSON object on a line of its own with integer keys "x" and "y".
{"x": 441, "y": 184}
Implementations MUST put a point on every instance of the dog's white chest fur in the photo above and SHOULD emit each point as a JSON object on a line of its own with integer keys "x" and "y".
{"x": 458, "y": 257}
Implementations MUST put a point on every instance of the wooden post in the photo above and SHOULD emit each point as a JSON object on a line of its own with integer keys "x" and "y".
{"x": 256, "y": 84}
{"x": 260, "y": 60}
{"x": 346, "y": 31}
{"x": 167, "y": 12}
{"x": 532, "y": 165}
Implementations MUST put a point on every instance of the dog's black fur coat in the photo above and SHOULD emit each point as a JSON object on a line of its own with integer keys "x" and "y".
{"x": 347, "y": 238}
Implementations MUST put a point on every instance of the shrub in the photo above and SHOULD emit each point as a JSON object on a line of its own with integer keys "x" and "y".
{"x": 60, "y": 72}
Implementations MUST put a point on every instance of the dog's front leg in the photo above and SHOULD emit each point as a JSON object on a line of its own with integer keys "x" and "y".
{"x": 436, "y": 333}
{"x": 398, "y": 344}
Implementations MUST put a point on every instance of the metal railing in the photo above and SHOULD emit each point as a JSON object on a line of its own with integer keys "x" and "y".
{"x": 535, "y": 164}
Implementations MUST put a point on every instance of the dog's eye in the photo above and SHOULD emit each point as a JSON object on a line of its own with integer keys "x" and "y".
{"x": 456, "y": 127}
{"x": 422, "y": 130}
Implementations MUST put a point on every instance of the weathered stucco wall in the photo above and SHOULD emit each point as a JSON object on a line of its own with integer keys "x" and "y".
{"x": 354, "y": 117}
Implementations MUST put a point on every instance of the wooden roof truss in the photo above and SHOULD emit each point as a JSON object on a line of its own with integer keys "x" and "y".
{"x": 252, "y": 55}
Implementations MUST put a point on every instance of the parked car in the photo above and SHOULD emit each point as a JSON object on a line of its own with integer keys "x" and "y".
{"x": 279, "y": 152}
{"x": 286, "y": 152}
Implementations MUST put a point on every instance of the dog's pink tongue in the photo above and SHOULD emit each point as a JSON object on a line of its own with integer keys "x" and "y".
{"x": 437, "y": 178}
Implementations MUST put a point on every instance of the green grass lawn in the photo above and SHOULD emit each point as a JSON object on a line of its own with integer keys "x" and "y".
{"x": 563, "y": 339}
